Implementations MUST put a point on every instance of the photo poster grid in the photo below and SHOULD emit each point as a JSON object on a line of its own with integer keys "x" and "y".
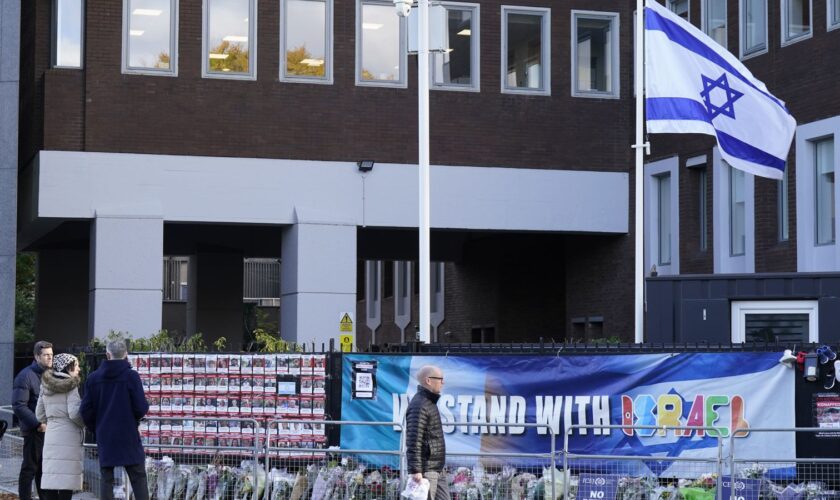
{"x": 262, "y": 387}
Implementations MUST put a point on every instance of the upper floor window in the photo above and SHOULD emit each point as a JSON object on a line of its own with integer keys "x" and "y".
{"x": 753, "y": 27}
{"x": 68, "y": 33}
{"x": 458, "y": 66}
{"x": 306, "y": 41}
{"x": 833, "y": 14}
{"x": 796, "y": 20}
{"x": 714, "y": 20}
{"x": 783, "y": 208}
{"x": 525, "y": 50}
{"x": 229, "y": 39}
{"x": 663, "y": 217}
{"x": 594, "y": 54}
{"x": 680, "y": 8}
{"x": 381, "y": 45}
{"x": 824, "y": 163}
{"x": 737, "y": 212}
{"x": 150, "y": 37}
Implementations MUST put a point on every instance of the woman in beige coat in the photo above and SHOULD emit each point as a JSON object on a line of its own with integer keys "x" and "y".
{"x": 58, "y": 406}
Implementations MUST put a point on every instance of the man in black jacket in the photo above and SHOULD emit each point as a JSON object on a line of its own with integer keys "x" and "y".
{"x": 424, "y": 440}
{"x": 25, "y": 391}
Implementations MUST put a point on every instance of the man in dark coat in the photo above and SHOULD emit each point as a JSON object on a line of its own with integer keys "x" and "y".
{"x": 424, "y": 440}
{"x": 112, "y": 407}
{"x": 25, "y": 391}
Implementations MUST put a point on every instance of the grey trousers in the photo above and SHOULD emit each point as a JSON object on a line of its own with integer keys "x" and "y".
{"x": 438, "y": 485}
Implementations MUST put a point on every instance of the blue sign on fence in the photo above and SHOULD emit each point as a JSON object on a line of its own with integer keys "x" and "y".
{"x": 597, "y": 486}
{"x": 745, "y": 489}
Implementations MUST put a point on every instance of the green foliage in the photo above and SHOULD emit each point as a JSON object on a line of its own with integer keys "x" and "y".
{"x": 162, "y": 341}
{"x": 220, "y": 344}
{"x": 269, "y": 343}
{"x": 25, "y": 297}
{"x": 295, "y": 65}
{"x": 236, "y": 60}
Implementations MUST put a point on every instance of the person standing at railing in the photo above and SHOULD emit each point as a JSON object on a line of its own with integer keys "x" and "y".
{"x": 58, "y": 405}
{"x": 26, "y": 388}
{"x": 424, "y": 439}
{"x": 113, "y": 404}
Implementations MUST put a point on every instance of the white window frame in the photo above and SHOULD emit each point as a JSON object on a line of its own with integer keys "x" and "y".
{"x": 811, "y": 257}
{"x": 740, "y": 309}
{"x": 723, "y": 261}
{"x": 55, "y": 41}
{"x": 652, "y": 172}
{"x": 475, "y": 50}
{"x": 615, "y": 83}
{"x": 373, "y": 301}
{"x": 545, "y": 49}
{"x": 688, "y": 6}
{"x": 742, "y": 32}
{"x": 783, "y": 37}
{"x": 252, "y": 46}
{"x": 400, "y": 83}
{"x": 704, "y": 20}
{"x": 329, "y": 47}
{"x": 829, "y": 9}
{"x": 173, "y": 44}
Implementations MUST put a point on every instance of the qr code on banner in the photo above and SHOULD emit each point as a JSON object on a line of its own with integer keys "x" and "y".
{"x": 364, "y": 382}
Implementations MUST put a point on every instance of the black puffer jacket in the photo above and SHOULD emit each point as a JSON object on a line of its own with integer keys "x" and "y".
{"x": 424, "y": 439}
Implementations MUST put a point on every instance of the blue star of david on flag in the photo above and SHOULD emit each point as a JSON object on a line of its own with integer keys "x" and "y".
{"x": 722, "y": 83}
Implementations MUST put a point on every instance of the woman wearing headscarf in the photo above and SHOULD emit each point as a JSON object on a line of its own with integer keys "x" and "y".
{"x": 58, "y": 406}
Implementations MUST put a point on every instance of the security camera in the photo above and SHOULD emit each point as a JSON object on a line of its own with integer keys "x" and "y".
{"x": 403, "y": 7}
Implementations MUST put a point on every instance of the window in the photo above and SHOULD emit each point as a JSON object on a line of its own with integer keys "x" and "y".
{"x": 175, "y": 279}
{"x": 833, "y": 14}
{"x": 68, "y": 33}
{"x": 525, "y": 50}
{"x": 458, "y": 67}
{"x": 788, "y": 321}
{"x": 437, "y": 305}
{"x": 150, "y": 37}
{"x": 663, "y": 217}
{"x": 381, "y": 45}
{"x": 737, "y": 212}
{"x": 753, "y": 27}
{"x": 703, "y": 196}
{"x": 306, "y": 41}
{"x": 796, "y": 20}
{"x": 680, "y": 8}
{"x": 783, "y": 211}
{"x": 373, "y": 295}
{"x": 824, "y": 163}
{"x": 714, "y": 20}
{"x": 402, "y": 297}
{"x": 229, "y": 39}
{"x": 594, "y": 54}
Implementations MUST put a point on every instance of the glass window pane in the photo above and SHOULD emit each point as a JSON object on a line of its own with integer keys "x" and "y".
{"x": 68, "y": 33}
{"x": 701, "y": 207}
{"x": 594, "y": 55}
{"x": 679, "y": 7}
{"x": 783, "y": 207}
{"x": 664, "y": 218}
{"x": 455, "y": 66}
{"x": 798, "y": 14}
{"x": 834, "y": 11}
{"x": 737, "y": 212}
{"x": 715, "y": 13}
{"x": 755, "y": 25}
{"x": 380, "y": 43}
{"x": 228, "y": 36}
{"x": 776, "y": 327}
{"x": 305, "y": 28}
{"x": 824, "y": 163}
{"x": 524, "y": 51}
{"x": 150, "y": 34}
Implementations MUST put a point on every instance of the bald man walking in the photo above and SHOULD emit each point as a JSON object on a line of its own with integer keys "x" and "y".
{"x": 424, "y": 440}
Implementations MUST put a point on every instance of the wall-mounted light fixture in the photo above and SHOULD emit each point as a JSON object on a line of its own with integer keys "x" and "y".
{"x": 365, "y": 165}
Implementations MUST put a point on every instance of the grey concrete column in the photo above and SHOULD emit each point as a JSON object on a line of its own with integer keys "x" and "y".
{"x": 9, "y": 84}
{"x": 317, "y": 281}
{"x": 126, "y": 275}
{"x": 62, "y": 306}
{"x": 214, "y": 298}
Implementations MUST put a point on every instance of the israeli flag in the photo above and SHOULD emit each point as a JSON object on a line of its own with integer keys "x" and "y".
{"x": 693, "y": 85}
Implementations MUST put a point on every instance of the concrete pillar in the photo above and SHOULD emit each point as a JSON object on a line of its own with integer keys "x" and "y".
{"x": 61, "y": 314}
{"x": 214, "y": 298}
{"x": 126, "y": 275}
{"x": 9, "y": 85}
{"x": 317, "y": 281}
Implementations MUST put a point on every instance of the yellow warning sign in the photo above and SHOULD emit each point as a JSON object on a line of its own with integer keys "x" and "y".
{"x": 346, "y": 343}
{"x": 345, "y": 324}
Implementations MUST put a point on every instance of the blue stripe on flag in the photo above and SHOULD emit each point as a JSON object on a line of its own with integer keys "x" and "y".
{"x": 677, "y": 34}
{"x": 676, "y": 108}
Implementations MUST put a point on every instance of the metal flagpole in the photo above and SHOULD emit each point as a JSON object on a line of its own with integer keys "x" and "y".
{"x": 639, "y": 146}
{"x": 424, "y": 334}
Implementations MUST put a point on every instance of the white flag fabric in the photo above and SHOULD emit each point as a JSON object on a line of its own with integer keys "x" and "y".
{"x": 693, "y": 85}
